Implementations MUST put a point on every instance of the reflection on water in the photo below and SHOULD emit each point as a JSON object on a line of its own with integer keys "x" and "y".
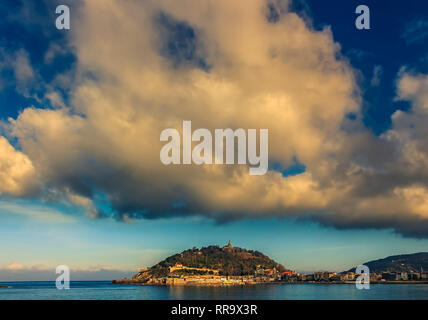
{"x": 103, "y": 290}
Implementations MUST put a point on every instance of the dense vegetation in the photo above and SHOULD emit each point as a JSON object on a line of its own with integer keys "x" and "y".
{"x": 229, "y": 262}
{"x": 401, "y": 263}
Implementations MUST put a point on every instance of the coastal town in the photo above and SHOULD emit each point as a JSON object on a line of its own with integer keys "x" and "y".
{"x": 272, "y": 276}
{"x": 184, "y": 275}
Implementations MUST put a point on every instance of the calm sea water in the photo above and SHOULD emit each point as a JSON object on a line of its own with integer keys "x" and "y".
{"x": 104, "y": 290}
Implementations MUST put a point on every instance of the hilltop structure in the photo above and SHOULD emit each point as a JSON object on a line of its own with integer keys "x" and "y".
{"x": 228, "y": 246}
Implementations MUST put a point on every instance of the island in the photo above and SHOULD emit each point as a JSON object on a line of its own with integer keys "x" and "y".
{"x": 234, "y": 266}
{"x": 211, "y": 266}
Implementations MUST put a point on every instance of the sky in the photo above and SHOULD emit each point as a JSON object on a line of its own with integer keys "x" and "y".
{"x": 81, "y": 111}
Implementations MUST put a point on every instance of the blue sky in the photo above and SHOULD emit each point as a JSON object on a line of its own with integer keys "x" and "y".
{"x": 37, "y": 234}
{"x": 83, "y": 243}
{"x": 392, "y": 41}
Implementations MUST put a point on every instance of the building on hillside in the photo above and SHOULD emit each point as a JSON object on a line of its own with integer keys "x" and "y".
{"x": 375, "y": 277}
{"x": 414, "y": 276}
{"x": 309, "y": 277}
{"x": 179, "y": 266}
{"x": 391, "y": 276}
{"x": 270, "y": 272}
{"x": 286, "y": 275}
{"x": 228, "y": 246}
{"x": 403, "y": 276}
{"x": 349, "y": 276}
{"x": 323, "y": 276}
{"x": 336, "y": 277}
{"x": 423, "y": 275}
{"x": 259, "y": 271}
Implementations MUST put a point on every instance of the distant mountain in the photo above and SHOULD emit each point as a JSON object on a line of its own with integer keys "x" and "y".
{"x": 401, "y": 263}
{"x": 227, "y": 260}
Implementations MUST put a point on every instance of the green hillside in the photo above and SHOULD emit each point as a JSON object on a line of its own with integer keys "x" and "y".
{"x": 400, "y": 263}
{"x": 229, "y": 261}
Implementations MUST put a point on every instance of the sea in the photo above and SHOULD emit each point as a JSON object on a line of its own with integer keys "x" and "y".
{"x": 105, "y": 290}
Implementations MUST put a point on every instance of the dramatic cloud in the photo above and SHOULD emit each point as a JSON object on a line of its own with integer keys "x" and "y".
{"x": 147, "y": 66}
{"x": 17, "y": 174}
{"x": 19, "y": 65}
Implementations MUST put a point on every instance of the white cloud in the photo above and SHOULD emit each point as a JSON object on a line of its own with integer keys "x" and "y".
{"x": 284, "y": 76}
{"x": 15, "y": 266}
{"x": 17, "y": 173}
{"x": 37, "y": 212}
{"x": 22, "y": 68}
{"x": 377, "y": 74}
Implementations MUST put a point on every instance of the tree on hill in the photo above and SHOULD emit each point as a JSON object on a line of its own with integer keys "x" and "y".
{"x": 229, "y": 261}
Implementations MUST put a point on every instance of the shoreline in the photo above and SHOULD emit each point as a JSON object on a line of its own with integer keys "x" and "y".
{"x": 248, "y": 284}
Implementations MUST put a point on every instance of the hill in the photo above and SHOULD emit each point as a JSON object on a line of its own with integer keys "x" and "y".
{"x": 227, "y": 261}
{"x": 400, "y": 263}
